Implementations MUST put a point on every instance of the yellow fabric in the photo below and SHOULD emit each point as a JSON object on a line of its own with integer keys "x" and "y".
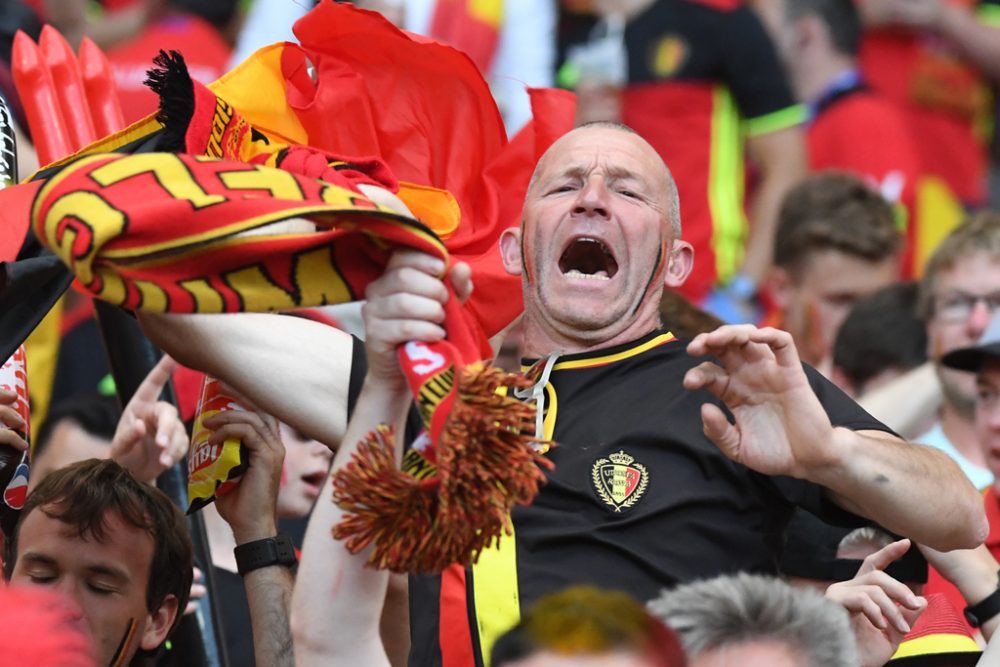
{"x": 936, "y": 643}
{"x": 494, "y": 583}
{"x": 725, "y": 185}
{"x": 938, "y": 213}
{"x": 42, "y": 352}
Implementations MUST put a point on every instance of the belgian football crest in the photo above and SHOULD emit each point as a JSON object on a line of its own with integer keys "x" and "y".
{"x": 619, "y": 480}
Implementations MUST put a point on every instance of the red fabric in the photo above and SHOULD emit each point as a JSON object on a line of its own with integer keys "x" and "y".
{"x": 943, "y": 100}
{"x": 454, "y": 631}
{"x": 408, "y": 116}
{"x": 204, "y": 50}
{"x": 864, "y": 133}
{"x": 676, "y": 120}
{"x": 938, "y": 584}
{"x": 14, "y": 219}
{"x": 454, "y": 24}
{"x": 187, "y": 388}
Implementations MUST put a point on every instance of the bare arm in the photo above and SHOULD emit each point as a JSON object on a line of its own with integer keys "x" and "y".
{"x": 337, "y": 605}
{"x": 251, "y": 511}
{"x": 781, "y": 159}
{"x": 295, "y": 369}
{"x": 782, "y": 429}
{"x": 904, "y": 403}
{"x": 974, "y": 574}
{"x": 979, "y": 42}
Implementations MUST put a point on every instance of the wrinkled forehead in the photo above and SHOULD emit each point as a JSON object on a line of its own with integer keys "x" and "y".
{"x": 606, "y": 148}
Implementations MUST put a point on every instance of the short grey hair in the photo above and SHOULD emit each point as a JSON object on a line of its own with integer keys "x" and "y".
{"x": 673, "y": 197}
{"x": 743, "y": 608}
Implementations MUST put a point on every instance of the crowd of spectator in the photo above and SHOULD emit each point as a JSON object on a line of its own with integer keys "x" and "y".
{"x": 749, "y": 184}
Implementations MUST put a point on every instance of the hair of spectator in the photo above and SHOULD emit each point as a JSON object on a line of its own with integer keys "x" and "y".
{"x": 83, "y": 495}
{"x": 980, "y": 232}
{"x": 881, "y": 331}
{"x": 740, "y": 609}
{"x": 841, "y": 18}
{"x": 867, "y": 539}
{"x": 583, "y": 620}
{"x": 674, "y": 201}
{"x": 97, "y": 415}
{"x": 834, "y": 210}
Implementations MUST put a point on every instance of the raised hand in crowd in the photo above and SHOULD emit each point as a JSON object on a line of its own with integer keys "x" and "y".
{"x": 250, "y": 509}
{"x": 150, "y": 437}
{"x": 882, "y": 609}
{"x": 781, "y": 429}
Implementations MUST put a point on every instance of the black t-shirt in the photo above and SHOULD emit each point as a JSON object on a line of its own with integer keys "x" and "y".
{"x": 639, "y": 498}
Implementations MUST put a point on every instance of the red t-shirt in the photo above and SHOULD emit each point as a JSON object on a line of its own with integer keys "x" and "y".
{"x": 204, "y": 51}
{"x": 702, "y": 75}
{"x": 860, "y": 131}
{"x": 946, "y": 101}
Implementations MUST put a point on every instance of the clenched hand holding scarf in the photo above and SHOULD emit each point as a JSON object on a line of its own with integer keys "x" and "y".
{"x": 168, "y": 232}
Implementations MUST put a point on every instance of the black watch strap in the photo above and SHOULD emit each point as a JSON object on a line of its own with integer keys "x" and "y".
{"x": 277, "y": 550}
{"x": 977, "y": 614}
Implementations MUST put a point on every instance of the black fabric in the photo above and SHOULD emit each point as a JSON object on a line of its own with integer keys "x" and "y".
{"x": 729, "y": 46}
{"x": 235, "y": 614}
{"x": 700, "y": 514}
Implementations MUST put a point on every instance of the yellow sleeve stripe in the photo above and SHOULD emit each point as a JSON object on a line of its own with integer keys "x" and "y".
{"x": 776, "y": 120}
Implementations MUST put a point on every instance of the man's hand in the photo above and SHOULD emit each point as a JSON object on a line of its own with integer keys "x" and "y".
{"x": 9, "y": 420}
{"x": 781, "y": 427}
{"x": 407, "y": 304}
{"x": 150, "y": 437}
{"x": 882, "y": 609}
{"x": 250, "y": 508}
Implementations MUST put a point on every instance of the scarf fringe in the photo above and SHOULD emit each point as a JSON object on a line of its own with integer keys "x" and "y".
{"x": 171, "y": 81}
{"x": 486, "y": 463}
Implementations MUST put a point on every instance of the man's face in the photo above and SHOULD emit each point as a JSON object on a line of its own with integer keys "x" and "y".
{"x": 107, "y": 579}
{"x": 952, "y": 326}
{"x": 988, "y": 414}
{"x": 67, "y": 444}
{"x": 815, "y": 299}
{"x": 596, "y": 247}
{"x": 303, "y": 475}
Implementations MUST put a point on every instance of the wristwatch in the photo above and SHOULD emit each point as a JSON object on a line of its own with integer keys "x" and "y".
{"x": 977, "y": 614}
{"x": 277, "y": 550}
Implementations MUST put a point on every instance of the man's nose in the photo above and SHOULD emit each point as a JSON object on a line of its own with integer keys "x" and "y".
{"x": 593, "y": 198}
{"x": 979, "y": 319}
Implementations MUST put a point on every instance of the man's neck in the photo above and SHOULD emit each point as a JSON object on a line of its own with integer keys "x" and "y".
{"x": 961, "y": 433}
{"x": 538, "y": 342}
{"x": 814, "y": 81}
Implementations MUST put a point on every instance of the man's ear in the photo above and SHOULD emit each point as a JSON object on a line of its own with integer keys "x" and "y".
{"x": 158, "y": 624}
{"x": 510, "y": 250}
{"x": 680, "y": 261}
{"x": 780, "y": 286}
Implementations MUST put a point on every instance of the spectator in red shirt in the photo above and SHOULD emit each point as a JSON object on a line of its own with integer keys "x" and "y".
{"x": 195, "y": 28}
{"x": 851, "y": 126}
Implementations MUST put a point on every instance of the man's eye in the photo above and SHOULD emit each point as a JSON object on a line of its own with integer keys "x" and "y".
{"x": 100, "y": 589}
{"x": 628, "y": 193}
{"x": 41, "y": 579}
{"x": 566, "y": 187}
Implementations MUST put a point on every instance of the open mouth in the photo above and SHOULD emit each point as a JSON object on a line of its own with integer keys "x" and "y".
{"x": 587, "y": 257}
{"x": 315, "y": 480}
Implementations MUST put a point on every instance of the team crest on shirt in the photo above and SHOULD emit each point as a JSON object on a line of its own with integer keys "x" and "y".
{"x": 668, "y": 55}
{"x": 620, "y": 480}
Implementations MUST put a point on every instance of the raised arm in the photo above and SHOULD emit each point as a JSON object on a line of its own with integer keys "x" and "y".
{"x": 295, "y": 369}
{"x": 338, "y": 601}
{"x": 782, "y": 429}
